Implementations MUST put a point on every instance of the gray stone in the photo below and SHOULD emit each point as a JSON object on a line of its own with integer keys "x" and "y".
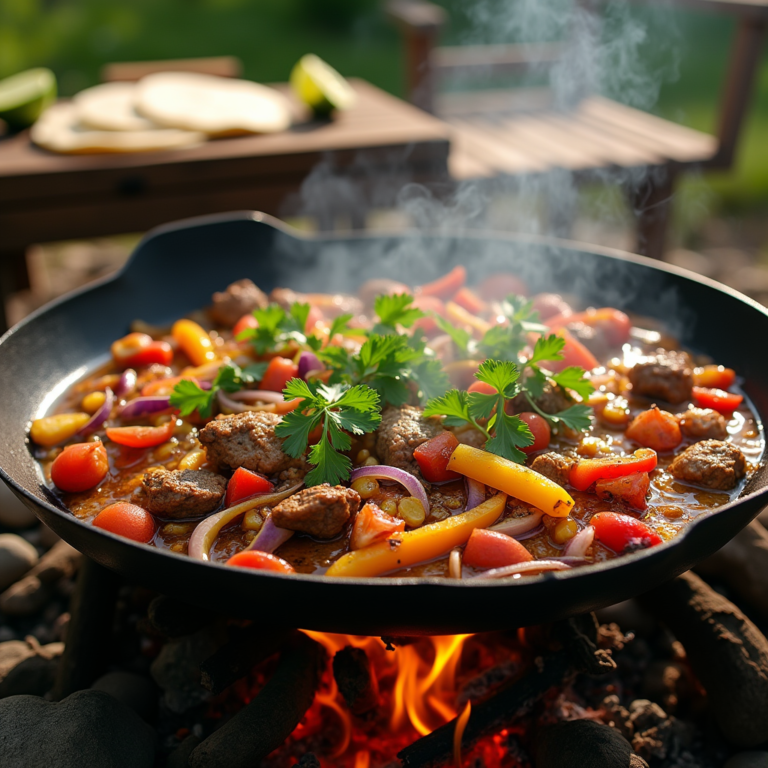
{"x": 17, "y": 556}
{"x": 179, "y": 758}
{"x": 25, "y": 597}
{"x": 26, "y": 667}
{"x": 88, "y": 729}
{"x": 137, "y": 692}
{"x": 748, "y": 760}
{"x": 14, "y": 514}
{"x": 47, "y": 537}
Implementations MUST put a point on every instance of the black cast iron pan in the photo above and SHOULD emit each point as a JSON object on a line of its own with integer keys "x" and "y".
{"x": 175, "y": 269}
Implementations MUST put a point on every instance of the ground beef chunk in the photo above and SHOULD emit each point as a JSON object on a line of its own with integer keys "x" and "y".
{"x": 703, "y": 424}
{"x": 710, "y": 463}
{"x": 321, "y": 511}
{"x": 554, "y": 466}
{"x": 240, "y": 298}
{"x": 401, "y": 431}
{"x": 247, "y": 440}
{"x": 179, "y": 494}
{"x": 553, "y": 399}
{"x": 666, "y": 375}
{"x": 471, "y": 436}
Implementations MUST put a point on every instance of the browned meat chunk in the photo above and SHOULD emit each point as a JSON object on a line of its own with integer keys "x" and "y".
{"x": 247, "y": 440}
{"x": 240, "y": 298}
{"x": 553, "y": 399}
{"x": 471, "y": 436}
{"x": 321, "y": 511}
{"x": 401, "y": 431}
{"x": 179, "y": 494}
{"x": 554, "y": 466}
{"x": 703, "y": 424}
{"x": 710, "y": 463}
{"x": 666, "y": 375}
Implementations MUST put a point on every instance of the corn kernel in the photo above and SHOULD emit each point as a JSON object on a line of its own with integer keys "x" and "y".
{"x": 453, "y": 502}
{"x": 185, "y": 428}
{"x": 51, "y": 430}
{"x": 670, "y": 511}
{"x": 390, "y": 507}
{"x": 592, "y": 446}
{"x": 615, "y": 413}
{"x": 412, "y": 511}
{"x": 92, "y": 402}
{"x": 166, "y": 450}
{"x": 371, "y": 461}
{"x": 179, "y": 546}
{"x": 436, "y": 514}
{"x": 252, "y": 520}
{"x": 178, "y": 529}
{"x": 362, "y": 455}
{"x": 366, "y": 487}
{"x": 564, "y": 529}
{"x": 194, "y": 459}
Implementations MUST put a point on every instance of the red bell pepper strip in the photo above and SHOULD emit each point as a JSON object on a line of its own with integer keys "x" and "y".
{"x": 446, "y": 286}
{"x": 589, "y": 471}
{"x": 139, "y": 349}
{"x": 433, "y": 456}
{"x": 717, "y": 399}
{"x": 631, "y": 489}
{"x": 279, "y": 372}
{"x": 623, "y": 533}
{"x": 260, "y": 561}
{"x": 492, "y": 549}
{"x": 142, "y": 437}
{"x": 245, "y": 484}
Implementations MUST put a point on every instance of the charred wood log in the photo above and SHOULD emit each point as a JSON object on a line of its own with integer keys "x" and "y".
{"x": 89, "y": 634}
{"x": 727, "y": 653}
{"x": 270, "y": 718}
{"x": 175, "y": 618}
{"x": 356, "y": 680}
{"x": 246, "y": 647}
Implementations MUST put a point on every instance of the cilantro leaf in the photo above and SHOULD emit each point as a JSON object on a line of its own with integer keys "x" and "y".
{"x": 276, "y": 328}
{"x": 577, "y": 417}
{"x": 501, "y": 375}
{"x": 547, "y": 348}
{"x": 330, "y": 465}
{"x": 340, "y": 325}
{"x": 461, "y": 338}
{"x": 430, "y": 378}
{"x": 573, "y": 378}
{"x": 187, "y": 396}
{"x": 510, "y": 435}
{"x": 394, "y": 310}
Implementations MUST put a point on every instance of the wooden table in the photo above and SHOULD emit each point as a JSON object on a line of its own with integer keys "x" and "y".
{"x": 46, "y": 197}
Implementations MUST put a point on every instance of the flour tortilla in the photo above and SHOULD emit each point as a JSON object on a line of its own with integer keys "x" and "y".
{"x": 59, "y": 130}
{"x": 217, "y": 106}
{"x": 110, "y": 107}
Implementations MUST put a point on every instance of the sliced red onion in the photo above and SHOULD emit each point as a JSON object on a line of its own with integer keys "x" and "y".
{"x": 533, "y": 566}
{"x": 204, "y": 384}
{"x": 580, "y": 543}
{"x": 225, "y": 401}
{"x": 251, "y": 395}
{"x": 127, "y": 383}
{"x": 270, "y": 537}
{"x": 308, "y": 361}
{"x": 529, "y": 534}
{"x": 520, "y": 526}
{"x": 101, "y": 415}
{"x": 202, "y": 538}
{"x": 144, "y": 406}
{"x": 406, "y": 479}
{"x": 475, "y": 493}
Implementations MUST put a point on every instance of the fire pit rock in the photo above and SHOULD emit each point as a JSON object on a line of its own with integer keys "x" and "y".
{"x": 88, "y": 728}
{"x": 17, "y": 556}
{"x": 26, "y": 667}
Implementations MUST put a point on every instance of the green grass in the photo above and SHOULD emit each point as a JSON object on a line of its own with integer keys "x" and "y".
{"x": 76, "y": 37}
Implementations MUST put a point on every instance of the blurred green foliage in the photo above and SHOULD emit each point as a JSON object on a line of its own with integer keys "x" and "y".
{"x": 76, "y": 37}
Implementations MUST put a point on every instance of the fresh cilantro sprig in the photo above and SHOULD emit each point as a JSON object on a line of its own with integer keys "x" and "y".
{"x": 393, "y": 311}
{"x": 340, "y": 409}
{"x": 188, "y": 396}
{"x": 505, "y": 434}
{"x": 277, "y": 328}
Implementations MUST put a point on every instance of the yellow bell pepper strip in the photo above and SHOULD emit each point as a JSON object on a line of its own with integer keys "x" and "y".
{"x": 401, "y": 550}
{"x": 52, "y": 430}
{"x": 514, "y": 479}
{"x": 195, "y": 343}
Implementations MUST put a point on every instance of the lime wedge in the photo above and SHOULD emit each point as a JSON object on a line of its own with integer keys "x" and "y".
{"x": 320, "y": 86}
{"x": 24, "y": 96}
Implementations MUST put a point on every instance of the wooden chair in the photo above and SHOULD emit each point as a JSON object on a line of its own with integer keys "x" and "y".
{"x": 525, "y": 135}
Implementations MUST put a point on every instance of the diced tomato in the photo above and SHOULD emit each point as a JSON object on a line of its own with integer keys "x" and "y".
{"x": 538, "y": 425}
{"x": 139, "y": 349}
{"x": 372, "y": 525}
{"x": 655, "y": 429}
{"x": 430, "y": 305}
{"x": 433, "y": 456}
{"x": 279, "y": 372}
{"x": 623, "y": 533}
{"x": 491, "y": 549}
{"x": 261, "y": 561}
{"x": 446, "y": 286}
{"x": 717, "y": 399}
{"x": 574, "y": 353}
{"x": 498, "y": 286}
{"x": 288, "y": 405}
{"x": 715, "y": 376}
{"x": 551, "y": 305}
{"x": 469, "y": 300}
{"x": 142, "y": 437}
{"x": 245, "y": 323}
{"x": 314, "y": 317}
{"x": 245, "y": 484}
{"x": 631, "y": 489}
{"x": 127, "y": 520}
{"x": 483, "y": 388}
{"x": 588, "y": 471}
{"x": 80, "y": 467}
